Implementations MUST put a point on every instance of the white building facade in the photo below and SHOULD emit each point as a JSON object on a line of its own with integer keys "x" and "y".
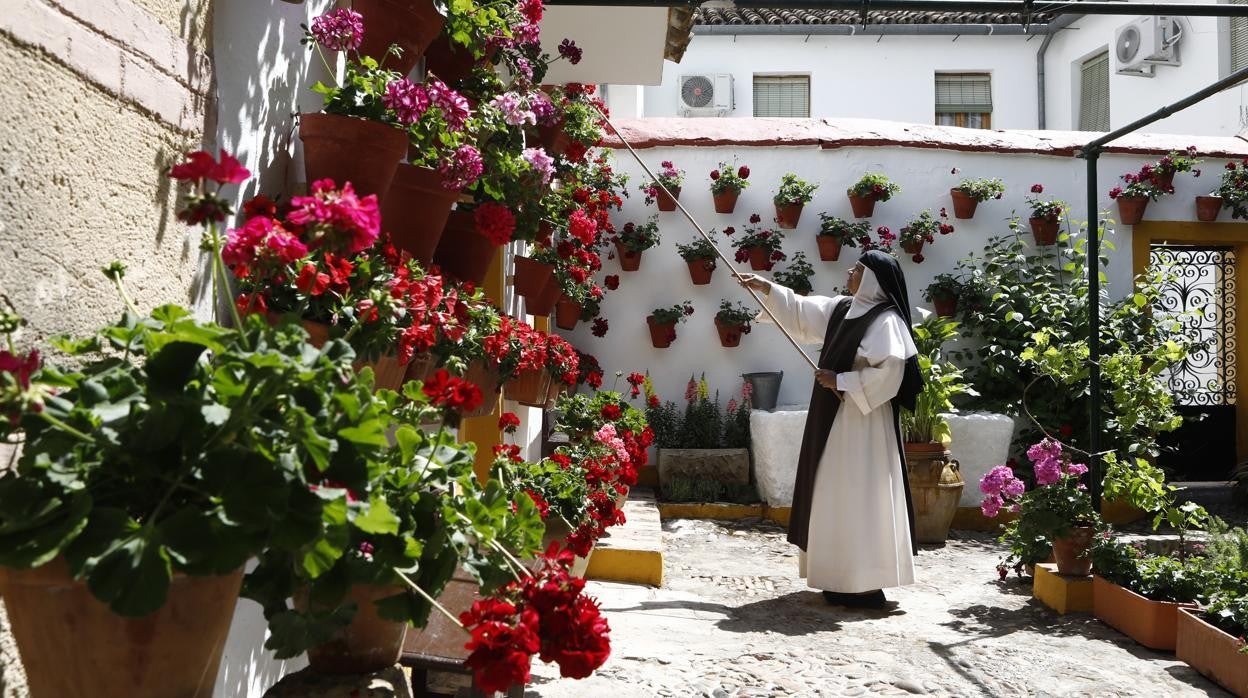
{"x": 980, "y": 70}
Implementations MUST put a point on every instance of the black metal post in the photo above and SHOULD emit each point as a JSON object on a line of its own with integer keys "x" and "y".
{"x": 1020, "y": 7}
{"x": 1095, "y": 228}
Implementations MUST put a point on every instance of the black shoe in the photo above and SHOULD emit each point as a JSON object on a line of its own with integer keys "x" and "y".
{"x": 872, "y": 599}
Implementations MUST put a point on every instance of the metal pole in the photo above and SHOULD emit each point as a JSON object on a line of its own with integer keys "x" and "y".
{"x": 1094, "y": 328}
{"x": 1020, "y": 7}
{"x": 1091, "y": 152}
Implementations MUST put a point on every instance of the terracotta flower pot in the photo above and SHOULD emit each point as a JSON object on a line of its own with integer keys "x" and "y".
{"x": 726, "y": 201}
{"x": 1165, "y": 180}
{"x": 567, "y": 314}
{"x": 71, "y": 644}
{"x": 729, "y": 335}
{"x": 1211, "y": 651}
{"x": 700, "y": 271}
{"x": 452, "y": 63}
{"x": 347, "y": 149}
{"x": 829, "y": 248}
{"x": 412, "y": 24}
{"x": 528, "y": 387}
{"x": 1044, "y": 230}
{"x": 1151, "y": 623}
{"x": 665, "y": 202}
{"x": 661, "y": 334}
{"x": 531, "y": 276}
{"x": 1208, "y": 208}
{"x": 863, "y": 206}
{"x": 912, "y": 247}
{"x": 964, "y": 204}
{"x": 1131, "y": 209}
{"x": 760, "y": 258}
{"x": 370, "y": 643}
{"x": 420, "y": 367}
{"x": 387, "y": 371}
{"x": 463, "y": 253}
{"x": 415, "y": 211}
{"x": 1071, "y": 553}
{"x": 629, "y": 260}
{"x": 485, "y": 376}
{"x": 543, "y": 304}
{"x": 788, "y": 215}
{"x": 554, "y": 139}
{"x": 946, "y": 306}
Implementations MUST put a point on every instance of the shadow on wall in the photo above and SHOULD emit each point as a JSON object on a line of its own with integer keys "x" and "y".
{"x": 263, "y": 76}
{"x": 262, "y": 79}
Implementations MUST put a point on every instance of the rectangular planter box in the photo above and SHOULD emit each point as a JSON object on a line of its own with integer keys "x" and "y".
{"x": 1059, "y": 592}
{"x": 1212, "y": 652}
{"x": 729, "y": 465}
{"x": 1150, "y": 623}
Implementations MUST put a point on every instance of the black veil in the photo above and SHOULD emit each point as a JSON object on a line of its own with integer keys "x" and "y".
{"x": 888, "y": 273}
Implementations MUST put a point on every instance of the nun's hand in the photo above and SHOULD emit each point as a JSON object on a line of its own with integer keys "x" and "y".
{"x": 826, "y": 378}
{"x": 755, "y": 282}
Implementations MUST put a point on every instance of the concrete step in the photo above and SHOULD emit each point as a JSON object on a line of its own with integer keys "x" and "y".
{"x": 633, "y": 552}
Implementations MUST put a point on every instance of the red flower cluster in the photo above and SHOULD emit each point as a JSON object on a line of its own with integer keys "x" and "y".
{"x": 200, "y": 166}
{"x": 635, "y": 380}
{"x": 452, "y": 392}
{"x": 546, "y": 613}
{"x": 509, "y": 422}
{"x": 495, "y": 222}
{"x": 336, "y": 219}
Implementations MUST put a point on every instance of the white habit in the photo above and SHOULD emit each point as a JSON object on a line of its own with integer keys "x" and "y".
{"x": 859, "y": 535}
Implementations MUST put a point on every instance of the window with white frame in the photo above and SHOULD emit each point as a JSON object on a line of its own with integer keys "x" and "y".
{"x": 1094, "y": 93}
{"x": 964, "y": 99}
{"x": 1239, "y": 39}
{"x": 782, "y": 96}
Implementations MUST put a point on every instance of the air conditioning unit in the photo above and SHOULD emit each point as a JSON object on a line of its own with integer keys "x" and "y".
{"x": 1145, "y": 43}
{"x": 705, "y": 95}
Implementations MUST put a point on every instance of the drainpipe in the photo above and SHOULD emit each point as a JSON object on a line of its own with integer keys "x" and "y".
{"x": 1041, "y": 100}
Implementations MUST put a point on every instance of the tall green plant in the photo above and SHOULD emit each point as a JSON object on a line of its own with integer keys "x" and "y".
{"x": 942, "y": 381}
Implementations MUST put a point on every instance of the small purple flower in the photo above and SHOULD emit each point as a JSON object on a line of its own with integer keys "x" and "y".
{"x": 454, "y": 107}
{"x": 527, "y": 33}
{"x": 514, "y": 112}
{"x": 544, "y": 109}
{"x": 991, "y": 506}
{"x": 1048, "y": 471}
{"x": 366, "y": 548}
{"x": 569, "y": 50}
{"x": 1077, "y": 469}
{"x": 340, "y": 30}
{"x": 525, "y": 69}
{"x": 407, "y": 99}
{"x": 541, "y": 163}
{"x": 462, "y": 169}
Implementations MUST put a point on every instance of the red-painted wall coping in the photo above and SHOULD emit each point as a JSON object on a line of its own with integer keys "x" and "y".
{"x": 849, "y": 133}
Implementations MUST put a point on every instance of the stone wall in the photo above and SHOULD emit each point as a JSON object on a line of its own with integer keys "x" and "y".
{"x": 98, "y": 98}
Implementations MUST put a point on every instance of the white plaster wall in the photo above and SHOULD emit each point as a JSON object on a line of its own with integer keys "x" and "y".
{"x": 1203, "y": 50}
{"x": 924, "y": 175}
{"x": 888, "y": 77}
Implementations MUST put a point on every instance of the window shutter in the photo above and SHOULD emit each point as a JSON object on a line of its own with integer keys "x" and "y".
{"x": 1094, "y": 94}
{"x": 782, "y": 96}
{"x": 964, "y": 92}
{"x": 1239, "y": 39}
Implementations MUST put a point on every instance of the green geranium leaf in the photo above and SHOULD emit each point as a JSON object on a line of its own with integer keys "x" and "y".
{"x": 133, "y": 578}
{"x": 378, "y": 519}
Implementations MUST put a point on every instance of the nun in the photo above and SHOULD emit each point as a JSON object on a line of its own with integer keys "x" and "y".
{"x": 852, "y": 516}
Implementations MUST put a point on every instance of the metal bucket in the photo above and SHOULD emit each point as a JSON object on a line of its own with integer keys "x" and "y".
{"x": 764, "y": 389}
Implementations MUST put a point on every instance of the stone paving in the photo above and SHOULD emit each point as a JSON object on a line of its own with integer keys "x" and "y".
{"x": 734, "y": 619}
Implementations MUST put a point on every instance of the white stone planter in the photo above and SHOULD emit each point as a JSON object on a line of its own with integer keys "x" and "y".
{"x": 980, "y": 442}
{"x": 776, "y": 441}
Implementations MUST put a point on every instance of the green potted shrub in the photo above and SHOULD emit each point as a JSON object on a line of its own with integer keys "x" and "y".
{"x": 1140, "y": 595}
{"x": 970, "y": 193}
{"x": 797, "y": 275}
{"x": 761, "y": 247}
{"x": 632, "y": 240}
{"x": 1045, "y": 218}
{"x": 731, "y": 322}
{"x": 925, "y": 433}
{"x": 726, "y": 185}
{"x": 701, "y": 258}
{"x": 792, "y": 196}
{"x": 837, "y": 233}
{"x": 662, "y": 323}
{"x": 872, "y": 187}
{"x": 943, "y": 293}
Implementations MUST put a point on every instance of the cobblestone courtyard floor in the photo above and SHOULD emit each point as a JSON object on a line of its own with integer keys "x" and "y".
{"x": 734, "y": 619}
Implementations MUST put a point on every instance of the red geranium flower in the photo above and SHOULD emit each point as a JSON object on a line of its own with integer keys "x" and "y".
{"x": 611, "y": 412}
{"x": 509, "y": 422}
{"x": 495, "y": 222}
{"x": 445, "y": 390}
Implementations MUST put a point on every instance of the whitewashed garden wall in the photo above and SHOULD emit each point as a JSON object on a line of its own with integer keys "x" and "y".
{"x": 925, "y": 178}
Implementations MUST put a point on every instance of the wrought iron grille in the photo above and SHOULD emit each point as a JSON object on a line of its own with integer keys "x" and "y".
{"x": 1199, "y": 291}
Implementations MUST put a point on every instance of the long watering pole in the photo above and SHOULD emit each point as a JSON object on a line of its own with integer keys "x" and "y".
{"x": 694, "y": 223}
